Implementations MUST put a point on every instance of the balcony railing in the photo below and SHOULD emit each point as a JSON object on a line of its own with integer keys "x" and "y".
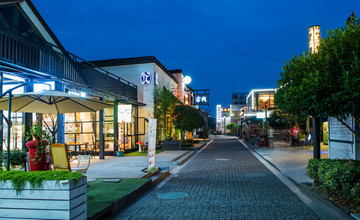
{"x": 51, "y": 60}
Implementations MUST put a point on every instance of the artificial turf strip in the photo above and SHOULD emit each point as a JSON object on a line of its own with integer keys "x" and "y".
{"x": 136, "y": 153}
{"x": 101, "y": 195}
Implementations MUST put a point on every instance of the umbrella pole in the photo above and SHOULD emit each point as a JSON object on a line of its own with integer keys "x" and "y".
{"x": 8, "y": 134}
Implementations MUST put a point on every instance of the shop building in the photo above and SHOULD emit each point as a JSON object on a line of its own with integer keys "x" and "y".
{"x": 148, "y": 74}
{"x": 31, "y": 53}
{"x": 259, "y": 100}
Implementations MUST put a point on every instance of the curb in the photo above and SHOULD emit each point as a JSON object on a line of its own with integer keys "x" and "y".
{"x": 148, "y": 175}
{"x": 185, "y": 159}
{"x": 178, "y": 157}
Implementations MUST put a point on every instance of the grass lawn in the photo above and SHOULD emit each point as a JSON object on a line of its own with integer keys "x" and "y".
{"x": 136, "y": 153}
{"x": 101, "y": 195}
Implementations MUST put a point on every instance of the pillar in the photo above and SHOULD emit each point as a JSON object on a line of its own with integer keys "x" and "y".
{"x": 60, "y": 135}
{"x": 101, "y": 134}
{"x": 116, "y": 127}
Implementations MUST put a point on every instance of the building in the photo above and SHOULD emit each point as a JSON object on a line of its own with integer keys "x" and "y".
{"x": 257, "y": 101}
{"x": 149, "y": 75}
{"x": 30, "y": 52}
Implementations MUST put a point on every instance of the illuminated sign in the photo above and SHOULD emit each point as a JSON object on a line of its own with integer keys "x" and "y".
{"x": 262, "y": 114}
{"x": 145, "y": 78}
{"x": 81, "y": 94}
{"x": 201, "y": 99}
{"x": 218, "y": 113}
{"x": 124, "y": 113}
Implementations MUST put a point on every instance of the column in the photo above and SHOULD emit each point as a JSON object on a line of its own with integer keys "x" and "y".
{"x": 27, "y": 117}
{"x": 116, "y": 127}
{"x": 316, "y": 135}
{"x": 101, "y": 134}
{"x": 60, "y": 135}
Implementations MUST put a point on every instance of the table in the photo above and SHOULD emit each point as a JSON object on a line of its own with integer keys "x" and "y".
{"x": 79, "y": 146}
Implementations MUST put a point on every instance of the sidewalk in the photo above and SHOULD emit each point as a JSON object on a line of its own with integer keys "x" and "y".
{"x": 291, "y": 161}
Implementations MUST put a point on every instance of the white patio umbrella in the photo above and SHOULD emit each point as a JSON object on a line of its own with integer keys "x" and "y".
{"x": 55, "y": 102}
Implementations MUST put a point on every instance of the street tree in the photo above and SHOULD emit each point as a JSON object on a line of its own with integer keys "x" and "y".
{"x": 186, "y": 118}
{"x": 327, "y": 83}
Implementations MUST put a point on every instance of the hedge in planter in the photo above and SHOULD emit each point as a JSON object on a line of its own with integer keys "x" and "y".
{"x": 43, "y": 195}
{"x": 337, "y": 177}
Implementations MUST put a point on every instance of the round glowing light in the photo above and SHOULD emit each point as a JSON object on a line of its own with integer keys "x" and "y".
{"x": 187, "y": 79}
{"x": 186, "y": 95}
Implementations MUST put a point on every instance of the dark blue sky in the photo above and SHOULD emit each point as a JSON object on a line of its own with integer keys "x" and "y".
{"x": 226, "y": 46}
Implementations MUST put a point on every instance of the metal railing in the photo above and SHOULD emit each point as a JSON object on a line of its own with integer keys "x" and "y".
{"x": 50, "y": 59}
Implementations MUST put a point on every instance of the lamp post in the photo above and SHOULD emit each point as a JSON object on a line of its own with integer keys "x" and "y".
{"x": 314, "y": 42}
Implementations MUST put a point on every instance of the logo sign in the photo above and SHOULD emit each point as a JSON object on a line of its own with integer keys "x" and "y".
{"x": 145, "y": 78}
{"x": 124, "y": 113}
{"x": 262, "y": 114}
{"x": 152, "y": 144}
{"x": 81, "y": 94}
{"x": 201, "y": 99}
{"x": 156, "y": 78}
{"x": 238, "y": 98}
{"x": 218, "y": 113}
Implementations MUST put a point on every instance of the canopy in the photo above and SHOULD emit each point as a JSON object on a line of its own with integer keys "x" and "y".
{"x": 55, "y": 102}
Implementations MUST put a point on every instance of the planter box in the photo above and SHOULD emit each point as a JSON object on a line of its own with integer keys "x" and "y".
{"x": 171, "y": 145}
{"x": 65, "y": 200}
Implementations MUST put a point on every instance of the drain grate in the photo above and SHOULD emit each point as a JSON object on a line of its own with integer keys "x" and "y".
{"x": 222, "y": 159}
{"x": 172, "y": 195}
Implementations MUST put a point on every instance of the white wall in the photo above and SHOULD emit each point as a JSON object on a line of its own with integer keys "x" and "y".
{"x": 145, "y": 93}
{"x": 342, "y": 143}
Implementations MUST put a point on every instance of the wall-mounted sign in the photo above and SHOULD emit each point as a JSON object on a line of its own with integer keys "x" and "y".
{"x": 156, "y": 76}
{"x": 218, "y": 113}
{"x": 262, "y": 114}
{"x": 152, "y": 144}
{"x": 238, "y": 98}
{"x": 81, "y": 94}
{"x": 201, "y": 99}
{"x": 145, "y": 78}
{"x": 124, "y": 113}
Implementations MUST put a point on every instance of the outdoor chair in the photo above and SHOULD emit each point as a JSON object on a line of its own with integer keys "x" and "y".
{"x": 83, "y": 163}
{"x": 59, "y": 155}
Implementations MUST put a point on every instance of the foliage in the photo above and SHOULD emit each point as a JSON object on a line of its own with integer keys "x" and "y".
{"x": 186, "y": 118}
{"x": 327, "y": 83}
{"x": 232, "y": 126}
{"x": 165, "y": 103}
{"x": 280, "y": 119}
{"x": 37, "y": 178}
{"x": 337, "y": 177}
{"x": 17, "y": 157}
{"x": 38, "y": 133}
{"x": 187, "y": 144}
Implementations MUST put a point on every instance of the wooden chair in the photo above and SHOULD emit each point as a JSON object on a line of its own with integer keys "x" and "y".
{"x": 60, "y": 157}
{"x": 83, "y": 163}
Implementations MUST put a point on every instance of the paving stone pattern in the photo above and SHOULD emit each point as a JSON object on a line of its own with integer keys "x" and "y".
{"x": 225, "y": 181}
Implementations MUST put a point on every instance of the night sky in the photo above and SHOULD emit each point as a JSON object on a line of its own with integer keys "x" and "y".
{"x": 225, "y": 46}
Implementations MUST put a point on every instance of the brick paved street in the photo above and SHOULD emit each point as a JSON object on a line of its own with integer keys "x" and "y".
{"x": 224, "y": 181}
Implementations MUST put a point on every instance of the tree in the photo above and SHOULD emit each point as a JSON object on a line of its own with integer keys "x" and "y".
{"x": 165, "y": 103}
{"x": 325, "y": 84}
{"x": 232, "y": 126}
{"x": 186, "y": 118}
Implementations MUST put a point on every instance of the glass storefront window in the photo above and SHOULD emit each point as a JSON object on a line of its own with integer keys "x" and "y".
{"x": 16, "y": 131}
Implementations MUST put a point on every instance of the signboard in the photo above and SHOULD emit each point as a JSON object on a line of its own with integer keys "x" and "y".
{"x": 218, "y": 113}
{"x": 124, "y": 113}
{"x": 156, "y": 78}
{"x": 189, "y": 135}
{"x": 201, "y": 99}
{"x": 262, "y": 114}
{"x": 145, "y": 78}
{"x": 152, "y": 144}
{"x": 238, "y": 98}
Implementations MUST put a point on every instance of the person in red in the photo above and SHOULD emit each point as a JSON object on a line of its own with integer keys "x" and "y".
{"x": 294, "y": 132}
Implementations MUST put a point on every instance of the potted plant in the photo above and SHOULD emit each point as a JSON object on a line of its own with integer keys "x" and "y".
{"x": 120, "y": 152}
{"x": 38, "y": 148}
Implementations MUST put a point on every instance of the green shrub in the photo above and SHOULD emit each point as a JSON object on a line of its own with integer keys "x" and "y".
{"x": 187, "y": 144}
{"x": 36, "y": 179}
{"x": 337, "y": 177}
